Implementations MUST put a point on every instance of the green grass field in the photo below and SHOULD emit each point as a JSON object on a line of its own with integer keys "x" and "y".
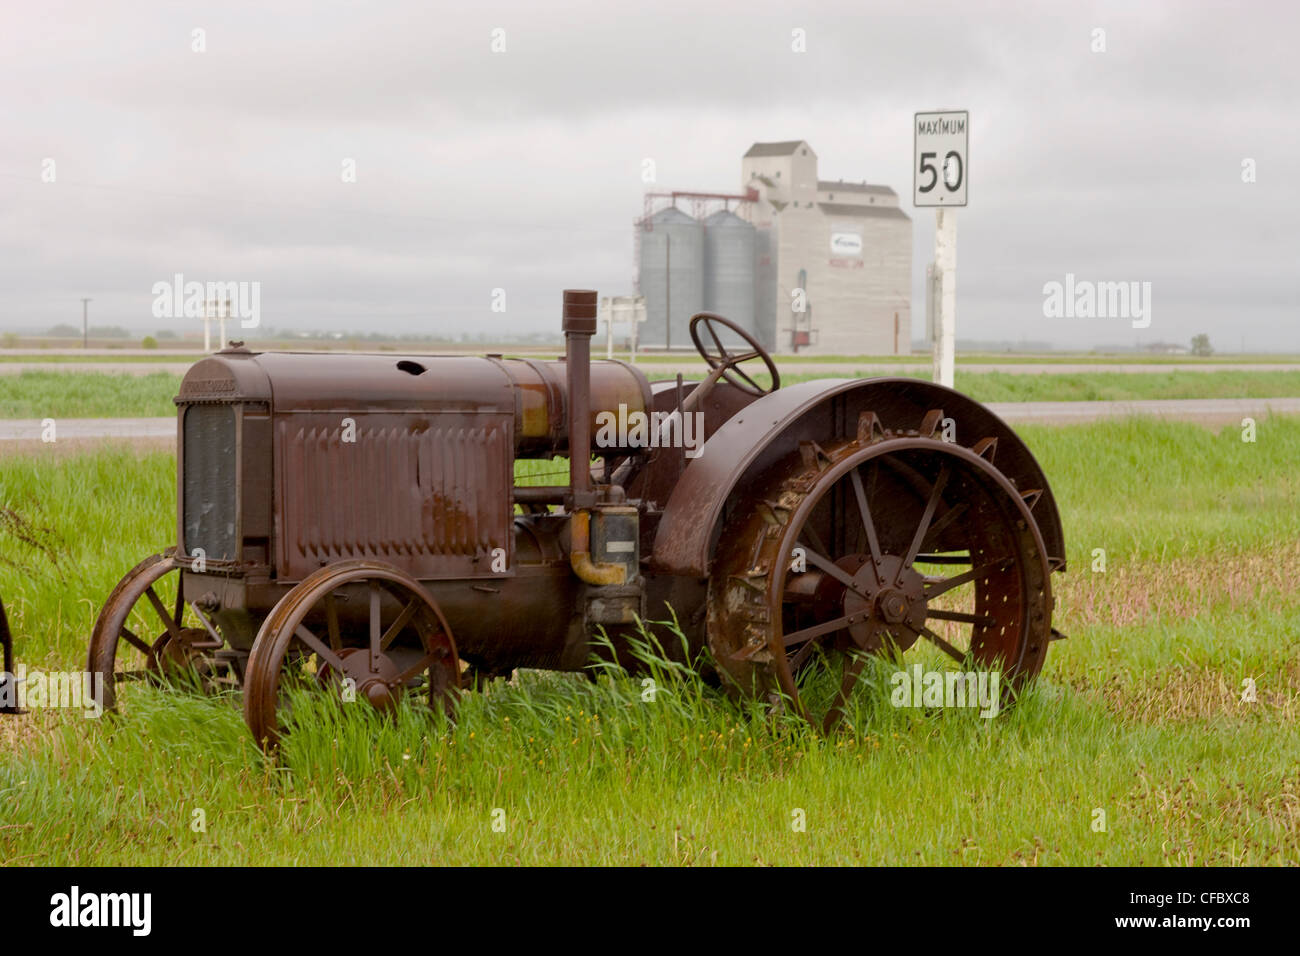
{"x": 1110, "y": 386}
{"x": 87, "y": 395}
{"x": 46, "y": 394}
{"x": 1138, "y": 715}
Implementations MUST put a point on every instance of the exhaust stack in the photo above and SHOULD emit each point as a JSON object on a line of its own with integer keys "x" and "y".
{"x": 579, "y": 326}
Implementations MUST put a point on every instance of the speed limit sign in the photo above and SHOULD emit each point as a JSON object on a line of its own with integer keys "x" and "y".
{"x": 939, "y": 160}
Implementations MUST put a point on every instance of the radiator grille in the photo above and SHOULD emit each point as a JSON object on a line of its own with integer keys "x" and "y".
{"x": 209, "y": 515}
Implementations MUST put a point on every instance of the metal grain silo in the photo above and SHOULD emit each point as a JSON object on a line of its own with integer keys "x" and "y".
{"x": 672, "y": 278}
{"x": 729, "y": 269}
{"x": 765, "y": 287}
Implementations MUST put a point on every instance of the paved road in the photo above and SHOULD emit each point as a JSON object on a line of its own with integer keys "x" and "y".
{"x": 1206, "y": 411}
{"x": 660, "y": 369}
{"x": 88, "y": 428}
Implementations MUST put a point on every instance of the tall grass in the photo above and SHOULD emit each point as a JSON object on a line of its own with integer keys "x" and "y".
{"x": 1095, "y": 386}
{"x": 1145, "y": 489}
{"x": 559, "y": 769}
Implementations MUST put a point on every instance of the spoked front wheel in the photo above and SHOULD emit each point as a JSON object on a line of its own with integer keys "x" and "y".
{"x": 361, "y": 629}
{"x": 142, "y": 634}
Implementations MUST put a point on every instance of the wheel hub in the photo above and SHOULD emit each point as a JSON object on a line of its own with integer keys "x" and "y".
{"x": 892, "y": 605}
{"x": 896, "y": 608}
{"x": 181, "y": 655}
{"x": 374, "y": 685}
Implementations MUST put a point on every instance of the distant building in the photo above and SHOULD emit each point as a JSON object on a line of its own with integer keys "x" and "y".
{"x": 803, "y": 264}
{"x": 846, "y": 245}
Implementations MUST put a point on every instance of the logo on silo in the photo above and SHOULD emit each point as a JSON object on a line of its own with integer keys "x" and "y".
{"x": 846, "y": 244}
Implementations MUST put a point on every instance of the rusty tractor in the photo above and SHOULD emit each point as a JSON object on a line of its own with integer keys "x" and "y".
{"x": 354, "y": 521}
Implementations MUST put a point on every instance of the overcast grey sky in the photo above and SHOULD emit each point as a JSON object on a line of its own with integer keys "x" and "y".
{"x": 522, "y": 170}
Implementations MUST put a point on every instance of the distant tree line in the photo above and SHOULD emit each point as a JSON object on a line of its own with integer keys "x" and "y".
{"x": 543, "y": 338}
{"x": 65, "y": 331}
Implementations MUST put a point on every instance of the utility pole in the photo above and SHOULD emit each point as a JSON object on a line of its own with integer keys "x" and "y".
{"x": 85, "y": 324}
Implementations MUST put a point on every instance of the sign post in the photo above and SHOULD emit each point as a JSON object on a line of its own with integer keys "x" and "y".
{"x": 945, "y": 329}
{"x": 621, "y": 308}
{"x": 939, "y": 176}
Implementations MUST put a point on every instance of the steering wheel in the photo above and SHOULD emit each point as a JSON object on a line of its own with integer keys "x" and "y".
{"x": 724, "y": 362}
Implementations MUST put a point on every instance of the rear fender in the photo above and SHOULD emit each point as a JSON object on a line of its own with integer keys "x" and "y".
{"x": 741, "y": 450}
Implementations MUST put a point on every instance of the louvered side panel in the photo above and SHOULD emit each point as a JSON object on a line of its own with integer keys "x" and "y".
{"x": 429, "y": 494}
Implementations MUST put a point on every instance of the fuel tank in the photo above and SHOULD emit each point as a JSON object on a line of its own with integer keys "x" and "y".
{"x": 531, "y": 392}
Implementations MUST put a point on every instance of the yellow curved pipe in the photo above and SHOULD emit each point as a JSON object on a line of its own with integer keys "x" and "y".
{"x": 580, "y": 555}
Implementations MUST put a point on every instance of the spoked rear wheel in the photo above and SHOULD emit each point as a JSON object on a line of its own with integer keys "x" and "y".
{"x": 880, "y": 546}
{"x": 361, "y": 629}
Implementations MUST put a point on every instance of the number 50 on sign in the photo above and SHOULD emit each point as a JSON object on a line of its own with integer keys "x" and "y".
{"x": 939, "y": 163}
